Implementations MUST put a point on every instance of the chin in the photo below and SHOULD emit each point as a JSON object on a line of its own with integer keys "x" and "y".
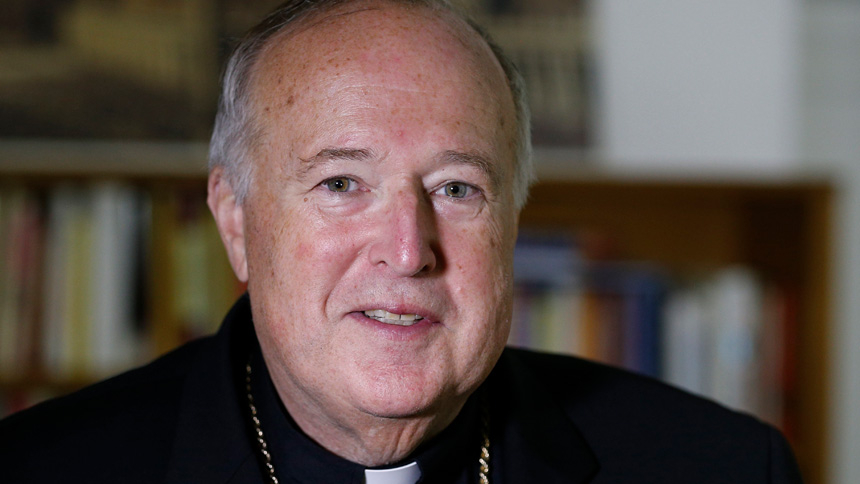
{"x": 402, "y": 396}
{"x": 409, "y": 395}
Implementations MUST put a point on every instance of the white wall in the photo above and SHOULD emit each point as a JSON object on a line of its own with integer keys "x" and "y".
{"x": 710, "y": 85}
{"x": 831, "y": 139}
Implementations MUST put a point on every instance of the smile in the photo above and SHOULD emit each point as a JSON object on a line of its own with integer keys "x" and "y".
{"x": 384, "y": 316}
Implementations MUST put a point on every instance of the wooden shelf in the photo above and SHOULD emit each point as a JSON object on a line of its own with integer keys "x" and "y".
{"x": 782, "y": 230}
{"x": 56, "y": 159}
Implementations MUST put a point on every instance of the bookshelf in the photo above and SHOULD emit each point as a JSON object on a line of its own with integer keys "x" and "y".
{"x": 165, "y": 182}
{"x": 778, "y": 227}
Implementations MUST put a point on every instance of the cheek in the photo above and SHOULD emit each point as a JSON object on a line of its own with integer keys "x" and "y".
{"x": 314, "y": 239}
{"x": 302, "y": 253}
{"x": 480, "y": 278}
{"x": 296, "y": 261}
{"x": 482, "y": 263}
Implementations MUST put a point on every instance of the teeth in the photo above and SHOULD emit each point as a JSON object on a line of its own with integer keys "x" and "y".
{"x": 392, "y": 318}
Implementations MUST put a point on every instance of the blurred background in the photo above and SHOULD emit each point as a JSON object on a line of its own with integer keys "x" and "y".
{"x": 697, "y": 216}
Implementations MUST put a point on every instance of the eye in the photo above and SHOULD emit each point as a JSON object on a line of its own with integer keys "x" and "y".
{"x": 458, "y": 189}
{"x": 339, "y": 184}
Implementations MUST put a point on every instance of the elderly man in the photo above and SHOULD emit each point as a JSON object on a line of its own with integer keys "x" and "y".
{"x": 368, "y": 165}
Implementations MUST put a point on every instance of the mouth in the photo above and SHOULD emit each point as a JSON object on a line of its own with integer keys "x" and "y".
{"x": 386, "y": 317}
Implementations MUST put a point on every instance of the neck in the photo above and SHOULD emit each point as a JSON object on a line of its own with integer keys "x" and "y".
{"x": 376, "y": 441}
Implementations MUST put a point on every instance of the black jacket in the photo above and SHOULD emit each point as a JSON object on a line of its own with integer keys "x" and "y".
{"x": 555, "y": 419}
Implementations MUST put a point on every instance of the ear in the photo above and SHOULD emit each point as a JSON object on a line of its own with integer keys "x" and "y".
{"x": 229, "y": 217}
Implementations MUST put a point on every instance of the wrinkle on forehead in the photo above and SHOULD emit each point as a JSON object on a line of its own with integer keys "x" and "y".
{"x": 326, "y": 17}
{"x": 328, "y": 155}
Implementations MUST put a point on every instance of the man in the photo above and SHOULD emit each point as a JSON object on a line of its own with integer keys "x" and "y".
{"x": 368, "y": 165}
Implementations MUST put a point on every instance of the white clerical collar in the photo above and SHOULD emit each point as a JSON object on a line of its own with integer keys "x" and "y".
{"x": 408, "y": 474}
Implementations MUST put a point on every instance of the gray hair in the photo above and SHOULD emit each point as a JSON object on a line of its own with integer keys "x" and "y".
{"x": 236, "y": 132}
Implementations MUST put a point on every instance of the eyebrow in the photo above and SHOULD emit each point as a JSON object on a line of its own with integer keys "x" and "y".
{"x": 473, "y": 159}
{"x": 333, "y": 154}
{"x": 476, "y": 160}
{"x": 349, "y": 154}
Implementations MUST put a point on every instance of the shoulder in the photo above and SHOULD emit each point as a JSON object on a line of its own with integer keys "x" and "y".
{"x": 586, "y": 386}
{"x": 127, "y": 419}
{"x": 633, "y": 422}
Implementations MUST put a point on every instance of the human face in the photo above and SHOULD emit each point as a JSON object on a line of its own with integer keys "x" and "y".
{"x": 379, "y": 229}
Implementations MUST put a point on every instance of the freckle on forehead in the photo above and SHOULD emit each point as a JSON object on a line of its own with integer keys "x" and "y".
{"x": 322, "y": 58}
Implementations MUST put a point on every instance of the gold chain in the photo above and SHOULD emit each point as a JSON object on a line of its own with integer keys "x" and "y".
{"x": 483, "y": 461}
{"x": 258, "y": 429}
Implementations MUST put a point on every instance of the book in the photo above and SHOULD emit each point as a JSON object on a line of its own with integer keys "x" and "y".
{"x": 724, "y": 334}
{"x": 114, "y": 341}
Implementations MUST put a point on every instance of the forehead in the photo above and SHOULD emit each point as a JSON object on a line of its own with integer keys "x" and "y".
{"x": 377, "y": 30}
{"x": 398, "y": 47}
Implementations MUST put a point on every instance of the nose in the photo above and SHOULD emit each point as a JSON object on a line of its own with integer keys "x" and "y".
{"x": 406, "y": 237}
